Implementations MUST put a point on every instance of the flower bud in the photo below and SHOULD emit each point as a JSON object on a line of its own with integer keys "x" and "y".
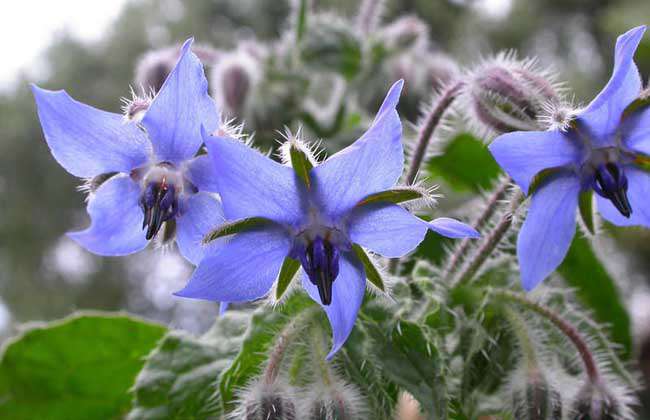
{"x": 536, "y": 399}
{"x": 331, "y": 45}
{"x": 265, "y": 401}
{"x": 405, "y": 32}
{"x": 505, "y": 94}
{"x": 154, "y": 66}
{"x": 594, "y": 402}
{"x": 337, "y": 401}
{"x": 233, "y": 79}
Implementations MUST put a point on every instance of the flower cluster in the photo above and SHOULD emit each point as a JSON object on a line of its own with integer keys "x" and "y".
{"x": 318, "y": 216}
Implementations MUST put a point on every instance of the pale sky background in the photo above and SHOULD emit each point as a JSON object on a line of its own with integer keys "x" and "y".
{"x": 28, "y": 26}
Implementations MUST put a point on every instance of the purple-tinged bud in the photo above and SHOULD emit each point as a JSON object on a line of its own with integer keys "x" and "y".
{"x": 234, "y": 77}
{"x": 536, "y": 399}
{"x": 505, "y": 94}
{"x": 336, "y": 402}
{"x": 593, "y": 402}
{"x": 154, "y": 66}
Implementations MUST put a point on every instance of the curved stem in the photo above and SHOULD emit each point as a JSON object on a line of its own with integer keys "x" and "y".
{"x": 520, "y": 330}
{"x": 431, "y": 122}
{"x": 490, "y": 242}
{"x": 491, "y": 205}
{"x": 567, "y": 329}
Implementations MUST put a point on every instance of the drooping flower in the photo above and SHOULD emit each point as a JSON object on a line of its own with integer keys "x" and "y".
{"x": 149, "y": 170}
{"x": 318, "y": 217}
{"x": 603, "y": 149}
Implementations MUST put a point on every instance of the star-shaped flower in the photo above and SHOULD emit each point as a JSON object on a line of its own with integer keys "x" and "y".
{"x": 318, "y": 217}
{"x": 154, "y": 176}
{"x": 603, "y": 149}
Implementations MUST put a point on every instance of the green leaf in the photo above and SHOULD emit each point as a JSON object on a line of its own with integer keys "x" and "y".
{"x": 301, "y": 19}
{"x": 395, "y": 196}
{"x": 179, "y": 379}
{"x": 287, "y": 273}
{"x": 231, "y": 228}
{"x": 260, "y": 335}
{"x": 597, "y": 290}
{"x": 413, "y": 362}
{"x": 372, "y": 273}
{"x": 585, "y": 203}
{"x": 466, "y": 164}
{"x": 300, "y": 163}
{"x": 79, "y": 368}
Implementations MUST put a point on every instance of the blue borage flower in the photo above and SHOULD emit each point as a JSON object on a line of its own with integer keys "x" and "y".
{"x": 154, "y": 174}
{"x": 603, "y": 149}
{"x": 316, "y": 220}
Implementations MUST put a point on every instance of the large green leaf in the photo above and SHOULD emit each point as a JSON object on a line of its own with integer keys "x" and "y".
{"x": 180, "y": 378}
{"x": 409, "y": 359}
{"x": 597, "y": 290}
{"x": 78, "y": 368}
{"x": 466, "y": 164}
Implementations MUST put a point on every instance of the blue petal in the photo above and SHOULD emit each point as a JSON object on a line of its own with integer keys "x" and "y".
{"x": 386, "y": 229}
{"x": 201, "y": 174}
{"x": 546, "y": 235}
{"x": 201, "y": 213}
{"x": 452, "y": 228}
{"x": 243, "y": 270}
{"x": 347, "y": 295}
{"x": 636, "y": 131}
{"x": 87, "y": 141}
{"x": 371, "y": 164}
{"x": 116, "y": 219}
{"x": 252, "y": 185}
{"x": 524, "y": 154}
{"x": 638, "y": 192}
{"x": 603, "y": 115}
{"x": 174, "y": 119}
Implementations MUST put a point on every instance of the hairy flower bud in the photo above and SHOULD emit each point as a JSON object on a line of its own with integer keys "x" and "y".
{"x": 234, "y": 78}
{"x": 264, "y": 401}
{"x": 505, "y": 94}
{"x": 536, "y": 399}
{"x": 154, "y": 66}
{"x": 594, "y": 402}
{"x": 405, "y": 32}
{"x": 337, "y": 401}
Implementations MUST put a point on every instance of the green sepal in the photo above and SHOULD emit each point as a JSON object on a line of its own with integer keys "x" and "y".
{"x": 236, "y": 226}
{"x": 395, "y": 196}
{"x": 585, "y": 203}
{"x": 643, "y": 162}
{"x": 636, "y": 105}
{"x": 372, "y": 273}
{"x": 539, "y": 179}
{"x": 300, "y": 163}
{"x": 287, "y": 273}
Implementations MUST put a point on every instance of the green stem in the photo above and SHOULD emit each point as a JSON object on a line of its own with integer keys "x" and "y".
{"x": 520, "y": 330}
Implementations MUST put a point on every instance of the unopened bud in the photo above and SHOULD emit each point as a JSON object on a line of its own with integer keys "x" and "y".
{"x": 233, "y": 79}
{"x": 154, "y": 66}
{"x": 505, "y": 94}
{"x": 267, "y": 402}
{"x": 593, "y": 402}
{"x": 337, "y": 402}
{"x": 404, "y": 33}
{"x": 536, "y": 399}
{"x": 331, "y": 44}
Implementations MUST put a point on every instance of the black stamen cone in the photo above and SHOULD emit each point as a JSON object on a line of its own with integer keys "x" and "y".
{"x": 159, "y": 205}
{"x": 611, "y": 183}
{"x": 324, "y": 285}
{"x": 320, "y": 261}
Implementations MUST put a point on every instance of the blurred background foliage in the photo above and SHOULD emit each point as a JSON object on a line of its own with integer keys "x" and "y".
{"x": 44, "y": 276}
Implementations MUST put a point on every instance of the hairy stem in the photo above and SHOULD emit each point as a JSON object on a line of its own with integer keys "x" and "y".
{"x": 491, "y": 205}
{"x": 567, "y": 329}
{"x": 431, "y": 122}
{"x": 520, "y": 330}
{"x": 369, "y": 15}
{"x": 319, "y": 355}
{"x": 281, "y": 343}
{"x": 490, "y": 242}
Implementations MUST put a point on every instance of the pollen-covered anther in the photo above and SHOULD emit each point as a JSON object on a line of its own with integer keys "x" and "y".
{"x": 320, "y": 260}
{"x": 610, "y": 182}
